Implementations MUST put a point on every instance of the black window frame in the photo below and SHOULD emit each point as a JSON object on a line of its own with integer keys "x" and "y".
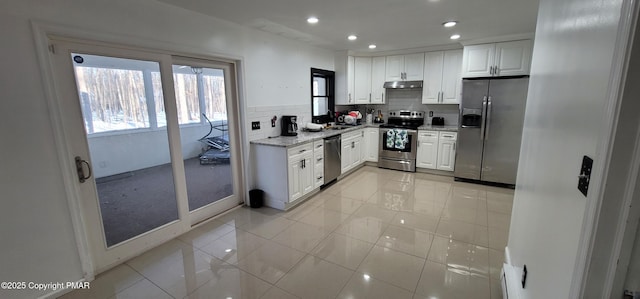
{"x": 329, "y": 77}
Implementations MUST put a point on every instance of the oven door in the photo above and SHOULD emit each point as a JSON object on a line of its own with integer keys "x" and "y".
{"x": 388, "y": 149}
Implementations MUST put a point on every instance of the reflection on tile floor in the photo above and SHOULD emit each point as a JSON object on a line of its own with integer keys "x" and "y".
{"x": 376, "y": 234}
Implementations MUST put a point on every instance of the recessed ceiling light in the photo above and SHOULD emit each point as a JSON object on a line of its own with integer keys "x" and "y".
{"x": 372, "y": 46}
{"x": 312, "y": 20}
{"x": 455, "y": 36}
{"x": 449, "y": 24}
{"x": 352, "y": 37}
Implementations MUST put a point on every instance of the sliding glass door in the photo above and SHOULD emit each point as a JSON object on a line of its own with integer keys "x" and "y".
{"x": 153, "y": 142}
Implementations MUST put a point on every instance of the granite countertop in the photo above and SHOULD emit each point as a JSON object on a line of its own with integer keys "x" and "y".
{"x": 439, "y": 128}
{"x": 306, "y": 136}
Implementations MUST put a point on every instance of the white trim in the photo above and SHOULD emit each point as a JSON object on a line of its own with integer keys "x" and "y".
{"x": 497, "y": 39}
{"x": 62, "y": 291}
{"x": 507, "y": 255}
{"x": 627, "y": 227}
{"x": 453, "y": 46}
{"x": 604, "y": 148}
{"x": 75, "y": 210}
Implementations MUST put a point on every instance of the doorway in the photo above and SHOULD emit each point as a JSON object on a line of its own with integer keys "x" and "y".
{"x": 156, "y": 136}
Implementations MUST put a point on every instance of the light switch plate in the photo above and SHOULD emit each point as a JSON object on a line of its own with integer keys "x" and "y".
{"x": 255, "y": 125}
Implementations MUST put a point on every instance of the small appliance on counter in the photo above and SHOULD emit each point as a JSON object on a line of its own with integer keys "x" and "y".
{"x": 289, "y": 126}
{"x": 437, "y": 121}
{"x": 378, "y": 119}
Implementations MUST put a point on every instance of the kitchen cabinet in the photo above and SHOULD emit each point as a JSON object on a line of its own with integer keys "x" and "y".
{"x": 371, "y": 144}
{"x": 318, "y": 164}
{"x": 378, "y": 68}
{"x": 362, "y": 80}
{"x": 427, "y": 154}
{"x": 442, "y": 77}
{"x": 351, "y": 151}
{"x": 498, "y": 59}
{"x": 287, "y": 175}
{"x": 345, "y": 68}
{"x": 300, "y": 172}
{"x": 436, "y": 150}
{"x": 405, "y": 67}
{"x": 446, "y": 151}
{"x": 369, "y": 80}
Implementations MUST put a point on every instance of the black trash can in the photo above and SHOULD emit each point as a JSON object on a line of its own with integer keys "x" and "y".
{"x": 256, "y": 198}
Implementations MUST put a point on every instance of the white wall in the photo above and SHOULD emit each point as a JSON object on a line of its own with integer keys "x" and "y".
{"x": 36, "y": 232}
{"x": 573, "y": 53}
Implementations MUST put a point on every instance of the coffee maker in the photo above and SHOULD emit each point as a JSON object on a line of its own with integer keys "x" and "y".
{"x": 289, "y": 125}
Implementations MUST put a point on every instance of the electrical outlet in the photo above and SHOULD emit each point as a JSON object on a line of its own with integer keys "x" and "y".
{"x": 255, "y": 125}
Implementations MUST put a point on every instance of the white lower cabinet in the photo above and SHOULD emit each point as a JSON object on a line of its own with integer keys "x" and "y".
{"x": 436, "y": 150}
{"x": 300, "y": 172}
{"x": 446, "y": 151}
{"x": 288, "y": 174}
{"x": 318, "y": 163}
{"x": 351, "y": 151}
{"x": 370, "y": 148}
{"x": 427, "y": 149}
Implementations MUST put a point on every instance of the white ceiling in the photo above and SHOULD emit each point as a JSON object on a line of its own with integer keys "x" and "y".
{"x": 390, "y": 24}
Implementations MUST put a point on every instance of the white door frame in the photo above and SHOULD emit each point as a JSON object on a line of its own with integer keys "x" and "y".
{"x": 42, "y": 32}
{"x": 606, "y": 233}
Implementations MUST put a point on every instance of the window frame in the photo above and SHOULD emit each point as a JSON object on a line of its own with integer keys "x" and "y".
{"x": 329, "y": 77}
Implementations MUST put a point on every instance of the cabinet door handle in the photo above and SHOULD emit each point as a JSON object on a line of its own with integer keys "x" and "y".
{"x": 319, "y": 146}
{"x": 319, "y": 159}
{"x": 369, "y": 97}
{"x": 383, "y": 97}
{"x": 319, "y": 177}
{"x": 454, "y": 147}
{"x": 302, "y": 151}
{"x": 495, "y": 70}
{"x": 491, "y": 70}
{"x": 353, "y": 144}
{"x": 349, "y": 98}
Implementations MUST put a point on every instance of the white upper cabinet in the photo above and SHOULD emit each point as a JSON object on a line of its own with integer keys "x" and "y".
{"x": 344, "y": 80}
{"x": 432, "y": 86}
{"x": 405, "y": 67}
{"x": 513, "y": 58}
{"x": 378, "y": 66}
{"x": 368, "y": 77}
{"x": 477, "y": 60}
{"x": 451, "y": 77}
{"x": 350, "y": 80}
{"x": 413, "y": 67}
{"x": 395, "y": 68}
{"x": 362, "y": 80}
{"x": 442, "y": 77}
{"x": 498, "y": 59}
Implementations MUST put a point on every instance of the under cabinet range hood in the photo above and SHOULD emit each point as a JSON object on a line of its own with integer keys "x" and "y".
{"x": 403, "y": 84}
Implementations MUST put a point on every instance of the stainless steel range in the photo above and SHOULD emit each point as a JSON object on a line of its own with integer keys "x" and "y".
{"x": 399, "y": 140}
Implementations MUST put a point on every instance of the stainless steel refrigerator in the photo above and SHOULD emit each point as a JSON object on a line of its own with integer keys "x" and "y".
{"x": 491, "y": 120}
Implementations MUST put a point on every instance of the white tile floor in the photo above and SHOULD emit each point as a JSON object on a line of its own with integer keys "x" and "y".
{"x": 376, "y": 234}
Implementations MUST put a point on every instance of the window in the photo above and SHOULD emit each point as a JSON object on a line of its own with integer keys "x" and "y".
{"x": 322, "y": 95}
{"x": 122, "y": 94}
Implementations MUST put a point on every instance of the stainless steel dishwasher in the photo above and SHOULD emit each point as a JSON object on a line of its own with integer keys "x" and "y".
{"x": 332, "y": 148}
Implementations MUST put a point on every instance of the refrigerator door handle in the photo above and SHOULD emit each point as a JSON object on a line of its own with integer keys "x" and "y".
{"x": 488, "y": 125}
{"x": 484, "y": 116}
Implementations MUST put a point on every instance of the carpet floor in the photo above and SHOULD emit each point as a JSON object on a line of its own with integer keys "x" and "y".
{"x": 136, "y": 202}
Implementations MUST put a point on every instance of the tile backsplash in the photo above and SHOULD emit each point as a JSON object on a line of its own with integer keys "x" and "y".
{"x": 409, "y": 99}
{"x": 265, "y": 114}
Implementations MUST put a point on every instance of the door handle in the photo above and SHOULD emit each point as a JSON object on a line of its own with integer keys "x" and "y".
{"x": 81, "y": 176}
{"x": 488, "y": 125}
{"x": 484, "y": 117}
